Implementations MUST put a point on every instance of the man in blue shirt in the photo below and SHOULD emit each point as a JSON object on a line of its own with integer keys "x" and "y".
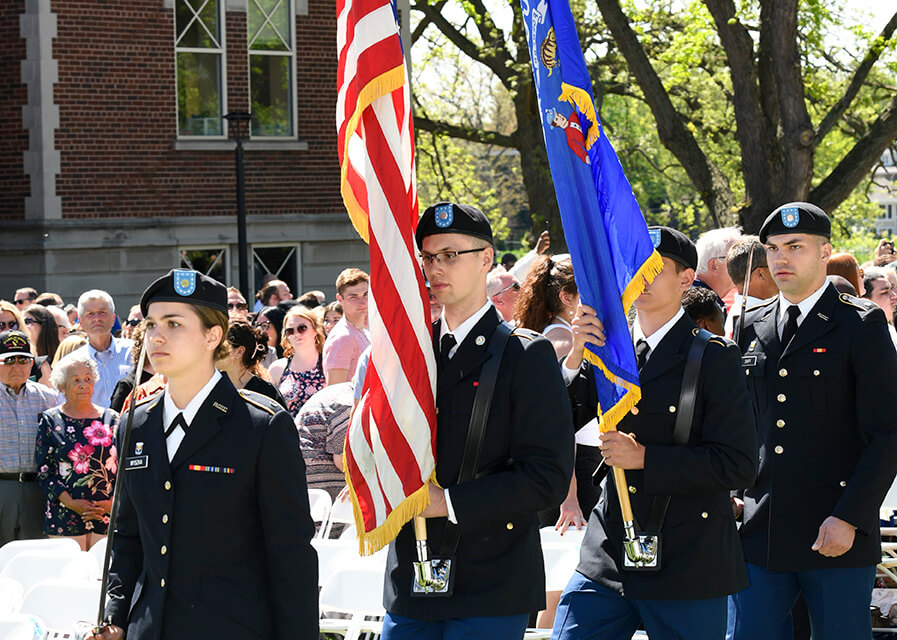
{"x": 96, "y": 311}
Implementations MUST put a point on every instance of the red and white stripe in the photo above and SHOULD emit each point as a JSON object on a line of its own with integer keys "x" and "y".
{"x": 389, "y": 451}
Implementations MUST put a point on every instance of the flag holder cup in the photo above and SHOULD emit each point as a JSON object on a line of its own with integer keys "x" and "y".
{"x": 641, "y": 550}
{"x": 433, "y": 577}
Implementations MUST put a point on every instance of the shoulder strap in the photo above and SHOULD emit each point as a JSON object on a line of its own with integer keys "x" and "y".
{"x": 682, "y": 431}
{"x": 477, "y": 428}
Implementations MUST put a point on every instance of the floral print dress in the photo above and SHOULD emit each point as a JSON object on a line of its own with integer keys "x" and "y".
{"x": 298, "y": 386}
{"x": 75, "y": 455}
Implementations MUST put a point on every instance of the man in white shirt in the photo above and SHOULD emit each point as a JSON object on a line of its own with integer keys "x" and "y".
{"x": 96, "y": 312}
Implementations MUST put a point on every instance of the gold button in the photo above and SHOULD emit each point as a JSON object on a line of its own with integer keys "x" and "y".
{"x": 783, "y": 373}
{"x": 747, "y": 372}
{"x": 843, "y": 483}
{"x": 816, "y": 372}
{"x": 163, "y": 550}
{"x": 510, "y": 526}
{"x": 779, "y": 449}
{"x": 635, "y": 411}
{"x": 781, "y": 397}
{"x": 672, "y": 409}
{"x": 705, "y": 515}
{"x": 780, "y": 423}
{"x": 162, "y": 583}
{"x": 164, "y": 518}
{"x": 632, "y": 489}
{"x": 167, "y": 485}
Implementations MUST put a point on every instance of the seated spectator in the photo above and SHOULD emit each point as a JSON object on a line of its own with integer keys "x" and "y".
{"x": 62, "y": 321}
{"x": 548, "y": 300}
{"x": 349, "y": 337}
{"x": 112, "y": 355}
{"x": 333, "y": 313}
{"x": 248, "y": 345}
{"x": 22, "y": 502}
{"x": 879, "y": 290}
{"x": 76, "y": 457}
{"x": 72, "y": 343}
{"x": 270, "y": 320}
{"x": 40, "y": 325}
{"x": 503, "y": 289}
{"x": 702, "y": 307}
{"x": 135, "y": 317}
{"x": 842, "y": 285}
{"x": 48, "y": 299}
{"x": 124, "y": 386}
{"x": 237, "y": 309}
{"x": 322, "y": 423}
{"x": 11, "y": 319}
{"x": 25, "y": 297}
{"x": 299, "y": 375}
{"x": 846, "y": 266}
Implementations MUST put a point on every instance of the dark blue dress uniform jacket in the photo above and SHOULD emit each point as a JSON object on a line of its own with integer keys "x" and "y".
{"x": 525, "y": 466}
{"x": 701, "y": 554}
{"x": 828, "y": 431}
{"x": 212, "y": 554}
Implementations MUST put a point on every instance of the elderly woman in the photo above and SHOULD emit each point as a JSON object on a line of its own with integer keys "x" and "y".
{"x": 75, "y": 456}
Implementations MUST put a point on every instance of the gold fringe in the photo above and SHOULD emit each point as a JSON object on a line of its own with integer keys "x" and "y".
{"x": 382, "y": 85}
{"x": 645, "y": 274}
{"x": 370, "y": 542}
{"x": 580, "y": 97}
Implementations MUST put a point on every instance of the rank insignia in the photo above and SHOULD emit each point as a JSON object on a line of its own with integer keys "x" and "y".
{"x": 220, "y": 407}
{"x": 138, "y": 448}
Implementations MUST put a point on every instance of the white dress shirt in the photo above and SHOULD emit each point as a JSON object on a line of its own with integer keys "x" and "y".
{"x": 806, "y": 305}
{"x": 170, "y": 412}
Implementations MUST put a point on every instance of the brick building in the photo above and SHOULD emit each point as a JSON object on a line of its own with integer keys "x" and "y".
{"x": 115, "y": 163}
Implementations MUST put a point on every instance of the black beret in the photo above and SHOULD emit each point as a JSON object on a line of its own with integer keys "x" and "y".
{"x": 185, "y": 285}
{"x": 674, "y": 245}
{"x": 448, "y": 217}
{"x": 796, "y": 217}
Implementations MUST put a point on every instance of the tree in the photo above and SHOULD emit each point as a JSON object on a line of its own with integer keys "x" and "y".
{"x": 810, "y": 119}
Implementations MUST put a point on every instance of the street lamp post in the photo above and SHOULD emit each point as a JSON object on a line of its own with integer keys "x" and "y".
{"x": 238, "y": 123}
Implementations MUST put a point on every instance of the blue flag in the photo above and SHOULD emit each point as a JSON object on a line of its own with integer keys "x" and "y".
{"x": 613, "y": 257}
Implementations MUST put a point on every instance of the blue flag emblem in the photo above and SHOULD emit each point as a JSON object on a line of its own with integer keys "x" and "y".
{"x": 790, "y": 217}
{"x": 445, "y": 216}
{"x": 184, "y": 282}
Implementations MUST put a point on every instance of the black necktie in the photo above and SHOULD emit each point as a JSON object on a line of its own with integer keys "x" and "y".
{"x": 641, "y": 352}
{"x": 791, "y": 325}
{"x": 177, "y": 422}
{"x": 446, "y": 344}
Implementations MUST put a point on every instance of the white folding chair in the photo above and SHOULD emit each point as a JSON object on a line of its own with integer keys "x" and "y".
{"x": 560, "y": 563}
{"x": 356, "y": 589}
{"x": 340, "y": 513}
{"x": 11, "y": 592}
{"x": 331, "y": 555}
{"x": 98, "y": 553}
{"x": 572, "y": 536}
{"x": 19, "y": 626}
{"x": 14, "y": 548}
{"x": 61, "y": 603}
{"x": 319, "y": 503}
{"x": 30, "y": 567}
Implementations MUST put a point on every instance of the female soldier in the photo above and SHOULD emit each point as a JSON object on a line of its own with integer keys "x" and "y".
{"x": 213, "y": 534}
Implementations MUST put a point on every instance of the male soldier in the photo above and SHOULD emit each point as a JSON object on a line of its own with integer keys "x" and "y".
{"x": 700, "y": 558}
{"x": 524, "y": 465}
{"x": 827, "y": 452}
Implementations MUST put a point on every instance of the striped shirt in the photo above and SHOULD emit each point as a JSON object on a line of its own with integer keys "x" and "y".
{"x": 19, "y": 416}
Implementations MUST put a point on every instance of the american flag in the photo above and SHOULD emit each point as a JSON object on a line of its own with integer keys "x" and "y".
{"x": 389, "y": 452}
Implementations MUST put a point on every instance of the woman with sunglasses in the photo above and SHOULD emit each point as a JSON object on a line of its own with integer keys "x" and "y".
{"x": 248, "y": 345}
{"x": 299, "y": 375}
{"x": 41, "y": 327}
{"x": 11, "y": 319}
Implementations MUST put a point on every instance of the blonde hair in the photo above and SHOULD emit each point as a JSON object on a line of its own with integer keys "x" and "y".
{"x": 71, "y": 343}
{"x": 209, "y": 318}
{"x": 312, "y": 318}
{"x": 5, "y": 305}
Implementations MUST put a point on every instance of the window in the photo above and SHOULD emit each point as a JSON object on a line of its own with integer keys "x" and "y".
{"x": 199, "y": 37}
{"x": 280, "y": 262}
{"x": 211, "y": 261}
{"x": 271, "y": 33}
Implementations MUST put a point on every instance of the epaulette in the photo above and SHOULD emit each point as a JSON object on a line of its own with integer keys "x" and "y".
{"x": 760, "y": 305}
{"x": 720, "y": 340}
{"x": 527, "y": 334}
{"x": 859, "y": 303}
{"x": 149, "y": 398}
{"x": 258, "y": 400}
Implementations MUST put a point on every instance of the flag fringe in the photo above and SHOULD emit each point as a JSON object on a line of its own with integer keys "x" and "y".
{"x": 370, "y": 542}
{"x": 645, "y": 274}
{"x": 380, "y": 86}
{"x": 583, "y": 101}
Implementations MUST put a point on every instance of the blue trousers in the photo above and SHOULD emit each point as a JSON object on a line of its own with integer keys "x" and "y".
{"x": 498, "y": 627}
{"x": 590, "y": 611}
{"x": 837, "y": 599}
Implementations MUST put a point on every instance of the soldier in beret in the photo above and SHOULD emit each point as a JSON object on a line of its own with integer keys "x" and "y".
{"x": 524, "y": 465}
{"x": 213, "y": 535}
{"x": 820, "y": 368}
{"x": 701, "y": 561}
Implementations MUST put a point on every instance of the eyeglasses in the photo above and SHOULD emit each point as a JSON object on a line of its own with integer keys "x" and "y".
{"x": 11, "y": 360}
{"x": 132, "y": 322}
{"x": 12, "y": 325}
{"x": 515, "y": 286}
{"x": 22, "y": 301}
{"x": 298, "y": 329}
{"x": 264, "y": 326}
{"x": 448, "y": 257}
{"x": 237, "y": 305}
{"x": 30, "y": 321}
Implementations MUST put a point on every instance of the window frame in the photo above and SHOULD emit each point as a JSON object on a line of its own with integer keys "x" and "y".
{"x": 294, "y": 108}
{"x": 222, "y": 53}
{"x": 223, "y": 258}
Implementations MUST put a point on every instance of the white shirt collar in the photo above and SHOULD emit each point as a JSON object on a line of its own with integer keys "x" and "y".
{"x": 654, "y": 339}
{"x": 464, "y": 328}
{"x": 805, "y": 305}
{"x": 170, "y": 410}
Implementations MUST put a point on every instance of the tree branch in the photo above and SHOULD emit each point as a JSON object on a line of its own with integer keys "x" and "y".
{"x": 464, "y": 133}
{"x": 856, "y": 83}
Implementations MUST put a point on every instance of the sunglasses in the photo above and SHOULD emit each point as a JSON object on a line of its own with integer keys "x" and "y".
{"x": 237, "y": 305}
{"x": 31, "y": 321}
{"x": 12, "y": 325}
{"x": 21, "y": 301}
{"x": 132, "y": 322}
{"x": 299, "y": 329}
{"x": 264, "y": 326}
{"x": 515, "y": 287}
{"x": 11, "y": 360}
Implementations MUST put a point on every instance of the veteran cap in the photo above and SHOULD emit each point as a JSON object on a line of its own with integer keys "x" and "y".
{"x": 14, "y": 343}
{"x": 185, "y": 285}
{"x": 674, "y": 245}
{"x": 448, "y": 217}
{"x": 796, "y": 217}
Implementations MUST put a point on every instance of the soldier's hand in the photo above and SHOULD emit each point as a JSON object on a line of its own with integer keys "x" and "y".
{"x": 543, "y": 243}
{"x": 835, "y": 537}
{"x": 109, "y": 632}
{"x": 737, "y": 507}
{"x": 621, "y": 450}
{"x": 587, "y": 329}
{"x": 437, "y": 507}
{"x": 571, "y": 514}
